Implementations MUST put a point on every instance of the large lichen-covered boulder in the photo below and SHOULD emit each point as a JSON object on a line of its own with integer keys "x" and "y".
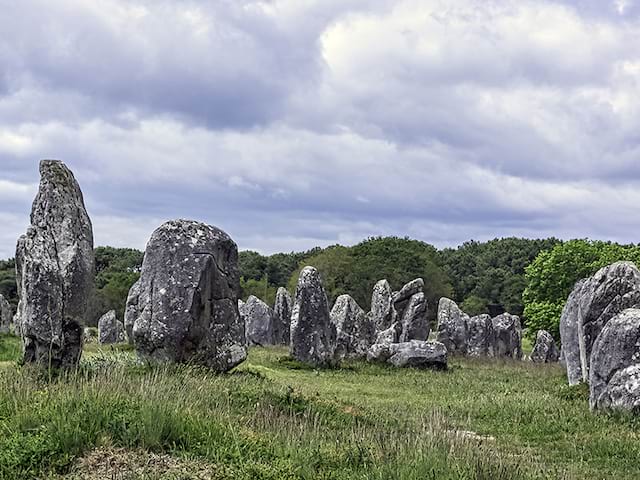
{"x": 6, "y": 315}
{"x": 415, "y": 325}
{"x": 614, "y": 376}
{"x": 382, "y": 312}
{"x": 188, "y": 304}
{"x": 131, "y": 310}
{"x": 282, "y": 316}
{"x": 569, "y": 335}
{"x": 258, "y": 318}
{"x": 416, "y": 353}
{"x": 452, "y": 327}
{"x": 355, "y": 332}
{"x": 480, "y": 336}
{"x": 401, "y": 299}
{"x": 545, "y": 350}
{"x": 508, "y": 336}
{"x": 55, "y": 270}
{"x": 611, "y": 290}
{"x": 313, "y": 335}
{"x": 110, "y": 329}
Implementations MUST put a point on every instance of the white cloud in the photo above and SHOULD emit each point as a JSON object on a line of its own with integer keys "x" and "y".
{"x": 293, "y": 123}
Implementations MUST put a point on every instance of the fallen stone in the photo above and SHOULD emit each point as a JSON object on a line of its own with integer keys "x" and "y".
{"x": 418, "y": 354}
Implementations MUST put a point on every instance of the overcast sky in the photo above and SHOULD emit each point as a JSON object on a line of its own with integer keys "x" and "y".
{"x": 296, "y": 123}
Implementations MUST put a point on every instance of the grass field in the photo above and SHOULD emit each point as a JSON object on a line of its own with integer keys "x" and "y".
{"x": 272, "y": 419}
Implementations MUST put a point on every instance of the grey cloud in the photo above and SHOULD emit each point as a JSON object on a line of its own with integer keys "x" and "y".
{"x": 423, "y": 118}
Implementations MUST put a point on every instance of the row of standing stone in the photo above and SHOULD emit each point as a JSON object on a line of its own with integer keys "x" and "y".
{"x": 184, "y": 307}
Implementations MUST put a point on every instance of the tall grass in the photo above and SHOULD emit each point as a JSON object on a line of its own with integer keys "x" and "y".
{"x": 271, "y": 421}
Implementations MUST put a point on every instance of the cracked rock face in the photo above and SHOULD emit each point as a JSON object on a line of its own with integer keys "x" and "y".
{"x": 508, "y": 336}
{"x": 354, "y": 329}
{"x": 55, "y": 270}
{"x": 188, "y": 304}
{"x": 258, "y": 318}
{"x": 452, "y": 327}
{"x": 382, "y": 313}
{"x": 401, "y": 299}
{"x": 313, "y": 335}
{"x": 6, "y": 315}
{"x": 545, "y": 350}
{"x": 591, "y": 305}
{"x": 480, "y": 336}
{"x": 614, "y": 377}
{"x": 131, "y": 310}
{"x": 415, "y": 325}
{"x": 282, "y": 316}
{"x": 110, "y": 329}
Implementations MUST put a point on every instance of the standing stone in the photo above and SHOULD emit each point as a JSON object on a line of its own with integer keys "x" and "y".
{"x": 282, "y": 316}
{"x": 89, "y": 335}
{"x": 5, "y": 315}
{"x": 545, "y": 350}
{"x": 258, "y": 318}
{"x": 382, "y": 312}
{"x": 110, "y": 329}
{"x": 415, "y": 325}
{"x": 614, "y": 377}
{"x": 610, "y": 291}
{"x": 131, "y": 310}
{"x": 188, "y": 304}
{"x": 313, "y": 335}
{"x": 401, "y": 299}
{"x": 55, "y": 270}
{"x": 354, "y": 329}
{"x": 569, "y": 335}
{"x": 480, "y": 336}
{"x": 508, "y": 336}
{"x": 452, "y": 327}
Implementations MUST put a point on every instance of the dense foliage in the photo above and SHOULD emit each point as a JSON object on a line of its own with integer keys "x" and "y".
{"x": 355, "y": 270}
{"x": 553, "y": 274}
{"x": 8, "y": 287}
{"x": 117, "y": 269}
{"x": 481, "y": 276}
{"x": 489, "y": 277}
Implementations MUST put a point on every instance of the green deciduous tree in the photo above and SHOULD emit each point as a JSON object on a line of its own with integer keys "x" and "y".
{"x": 553, "y": 274}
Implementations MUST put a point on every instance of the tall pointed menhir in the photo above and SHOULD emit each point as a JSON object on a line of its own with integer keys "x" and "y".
{"x": 55, "y": 270}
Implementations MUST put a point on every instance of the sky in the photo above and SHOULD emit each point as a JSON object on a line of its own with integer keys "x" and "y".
{"x": 299, "y": 123}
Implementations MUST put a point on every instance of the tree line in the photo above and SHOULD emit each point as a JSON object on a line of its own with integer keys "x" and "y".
{"x": 531, "y": 278}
